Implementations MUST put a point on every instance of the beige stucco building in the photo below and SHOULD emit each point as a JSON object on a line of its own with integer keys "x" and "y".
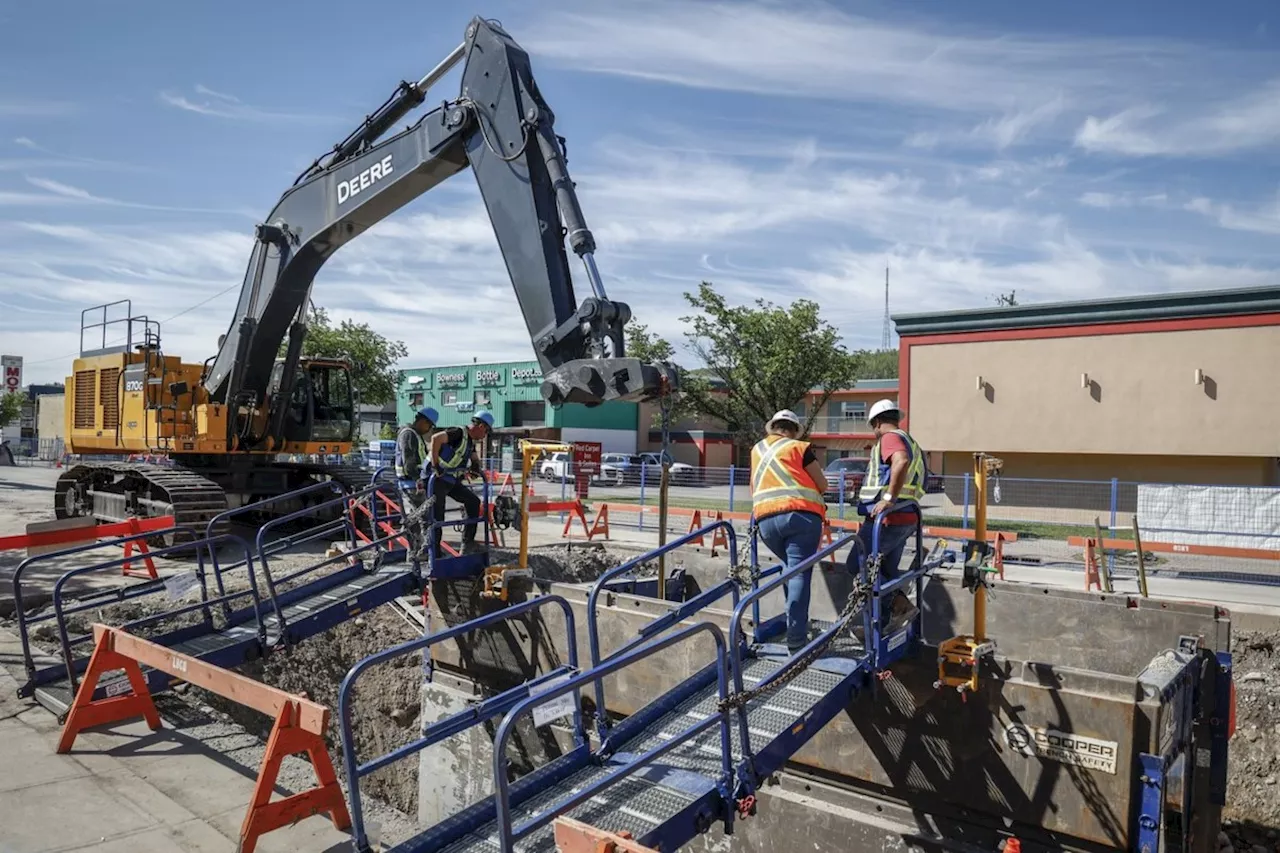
{"x": 1177, "y": 388}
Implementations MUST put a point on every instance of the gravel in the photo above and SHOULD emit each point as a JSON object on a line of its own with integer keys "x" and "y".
{"x": 1252, "y": 814}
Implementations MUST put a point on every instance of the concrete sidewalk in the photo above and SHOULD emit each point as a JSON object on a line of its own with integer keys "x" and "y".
{"x": 126, "y": 789}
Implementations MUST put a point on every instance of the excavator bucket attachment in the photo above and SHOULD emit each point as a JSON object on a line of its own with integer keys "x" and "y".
{"x": 592, "y": 381}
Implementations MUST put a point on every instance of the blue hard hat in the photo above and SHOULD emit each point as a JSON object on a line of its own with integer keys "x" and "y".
{"x": 429, "y": 413}
{"x": 484, "y": 417}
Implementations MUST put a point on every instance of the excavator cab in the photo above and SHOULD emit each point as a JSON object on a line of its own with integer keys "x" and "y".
{"x": 322, "y": 406}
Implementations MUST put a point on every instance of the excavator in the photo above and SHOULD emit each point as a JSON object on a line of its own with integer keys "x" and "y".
{"x": 224, "y": 429}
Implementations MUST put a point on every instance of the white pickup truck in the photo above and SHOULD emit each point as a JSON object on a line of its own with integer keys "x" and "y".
{"x": 557, "y": 467}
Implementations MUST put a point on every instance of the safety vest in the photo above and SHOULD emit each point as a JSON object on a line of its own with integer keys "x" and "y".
{"x": 452, "y": 458}
{"x": 878, "y": 473}
{"x": 779, "y": 482}
{"x": 422, "y": 453}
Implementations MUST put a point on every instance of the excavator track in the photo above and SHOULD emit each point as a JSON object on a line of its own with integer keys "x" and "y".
{"x": 116, "y": 491}
{"x": 352, "y": 477}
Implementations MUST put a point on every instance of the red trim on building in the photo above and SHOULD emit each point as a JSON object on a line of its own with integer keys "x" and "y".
{"x": 1185, "y": 324}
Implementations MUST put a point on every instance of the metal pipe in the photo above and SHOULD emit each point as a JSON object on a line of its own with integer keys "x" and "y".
{"x": 433, "y": 76}
{"x": 593, "y": 275}
{"x": 980, "y": 535}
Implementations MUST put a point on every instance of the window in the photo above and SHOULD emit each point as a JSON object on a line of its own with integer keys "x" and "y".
{"x": 416, "y": 400}
{"x": 854, "y": 411}
{"x": 448, "y": 398}
{"x": 482, "y": 399}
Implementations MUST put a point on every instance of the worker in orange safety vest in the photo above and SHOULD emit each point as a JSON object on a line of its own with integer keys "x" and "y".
{"x": 789, "y": 511}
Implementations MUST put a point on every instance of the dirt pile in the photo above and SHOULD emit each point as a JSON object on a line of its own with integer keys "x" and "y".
{"x": 385, "y": 702}
{"x": 1253, "y": 786}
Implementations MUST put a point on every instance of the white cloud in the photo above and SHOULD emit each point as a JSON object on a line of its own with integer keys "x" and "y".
{"x": 1249, "y": 121}
{"x": 1261, "y": 219}
{"x": 221, "y": 96}
{"x": 1134, "y": 96}
{"x": 220, "y": 105}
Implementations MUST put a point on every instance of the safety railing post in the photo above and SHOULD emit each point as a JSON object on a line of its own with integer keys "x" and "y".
{"x": 731, "y": 482}
{"x": 1115, "y": 500}
{"x": 842, "y": 496}
{"x": 964, "y": 519}
{"x": 644, "y": 470}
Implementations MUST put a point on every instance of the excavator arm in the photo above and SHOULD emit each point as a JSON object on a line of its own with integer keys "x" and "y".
{"x": 502, "y": 129}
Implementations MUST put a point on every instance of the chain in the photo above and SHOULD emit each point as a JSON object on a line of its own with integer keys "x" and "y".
{"x": 857, "y": 598}
{"x": 413, "y": 523}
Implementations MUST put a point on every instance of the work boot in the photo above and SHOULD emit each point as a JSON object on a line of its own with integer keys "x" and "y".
{"x": 469, "y": 546}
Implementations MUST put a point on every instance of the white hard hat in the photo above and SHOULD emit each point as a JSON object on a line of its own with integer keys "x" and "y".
{"x": 784, "y": 415}
{"x": 880, "y": 407}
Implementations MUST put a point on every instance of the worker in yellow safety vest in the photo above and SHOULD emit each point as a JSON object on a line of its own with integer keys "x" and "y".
{"x": 789, "y": 511}
{"x": 890, "y": 495}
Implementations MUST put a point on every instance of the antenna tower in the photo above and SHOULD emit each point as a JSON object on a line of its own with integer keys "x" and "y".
{"x": 884, "y": 334}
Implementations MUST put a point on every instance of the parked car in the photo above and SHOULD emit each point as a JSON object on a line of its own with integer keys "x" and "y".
{"x": 852, "y": 470}
{"x": 557, "y": 467}
{"x": 681, "y": 473}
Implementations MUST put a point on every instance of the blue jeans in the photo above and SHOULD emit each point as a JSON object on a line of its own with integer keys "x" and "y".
{"x": 893, "y": 541}
{"x": 793, "y": 537}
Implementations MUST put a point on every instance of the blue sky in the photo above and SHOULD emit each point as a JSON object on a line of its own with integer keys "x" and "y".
{"x": 777, "y": 149}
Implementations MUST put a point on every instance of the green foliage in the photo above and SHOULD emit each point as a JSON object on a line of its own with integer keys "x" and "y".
{"x": 765, "y": 357}
{"x": 11, "y": 405}
{"x": 388, "y": 432}
{"x": 878, "y": 364}
{"x": 646, "y": 346}
{"x": 372, "y": 356}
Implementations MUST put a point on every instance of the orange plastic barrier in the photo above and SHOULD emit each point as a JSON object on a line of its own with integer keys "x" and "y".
{"x": 75, "y": 535}
{"x": 1092, "y": 548}
{"x": 300, "y": 725}
{"x": 997, "y": 537}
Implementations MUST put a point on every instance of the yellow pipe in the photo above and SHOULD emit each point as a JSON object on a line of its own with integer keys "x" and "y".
{"x": 980, "y": 531}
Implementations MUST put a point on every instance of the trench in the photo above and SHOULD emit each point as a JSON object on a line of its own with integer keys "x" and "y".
{"x": 387, "y": 714}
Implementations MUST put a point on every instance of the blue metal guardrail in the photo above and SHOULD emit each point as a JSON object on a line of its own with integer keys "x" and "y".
{"x": 508, "y": 834}
{"x": 458, "y": 722}
{"x": 98, "y": 599}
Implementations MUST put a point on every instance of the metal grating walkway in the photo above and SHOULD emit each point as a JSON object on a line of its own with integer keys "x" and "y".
{"x": 660, "y": 793}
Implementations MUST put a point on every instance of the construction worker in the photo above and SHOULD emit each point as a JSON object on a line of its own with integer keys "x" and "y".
{"x": 895, "y": 478}
{"x": 455, "y": 454}
{"x": 411, "y": 468}
{"x": 789, "y": 511}
{"x": 411, "y": 448}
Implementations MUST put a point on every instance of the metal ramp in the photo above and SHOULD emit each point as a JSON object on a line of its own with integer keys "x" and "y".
{"x": 691, "y": 757}
{"x": 229, "y": 628}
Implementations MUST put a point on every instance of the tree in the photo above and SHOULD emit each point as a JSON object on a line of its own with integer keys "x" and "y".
{"x": 878, "y": 364}
{"x": 11, "y": 404}
{"x": 646, "y": 346}
{"x": 1007, "y": 299}
{"x": 761, "y": 359}
{"x": 373, "y": 357}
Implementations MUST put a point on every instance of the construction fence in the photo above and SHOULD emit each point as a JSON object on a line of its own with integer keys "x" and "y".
{"x": 1044, "y": 514}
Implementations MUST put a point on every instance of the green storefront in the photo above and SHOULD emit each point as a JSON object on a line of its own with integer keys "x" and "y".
{"x": 511, "y": 391}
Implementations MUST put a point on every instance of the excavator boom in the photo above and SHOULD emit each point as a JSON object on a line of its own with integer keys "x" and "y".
{"x": 502, "y": 129}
